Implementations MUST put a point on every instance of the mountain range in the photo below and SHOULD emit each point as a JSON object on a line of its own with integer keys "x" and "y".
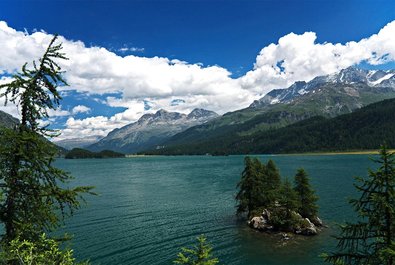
{"x": 6, "y": 120}
{"x": 72, "y": 143}
{"x": 151, "y": 130}
{"x": 364, "y": 129}
{"x": 326, "y": 96}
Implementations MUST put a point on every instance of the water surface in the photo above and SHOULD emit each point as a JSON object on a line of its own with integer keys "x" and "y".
{"x": 149, "y": 207}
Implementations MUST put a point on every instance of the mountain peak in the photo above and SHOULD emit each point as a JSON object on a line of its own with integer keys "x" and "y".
{"x": 161, "y": 112}
{"x": 198, "y": 113}
{"x": 352, "y": 76}
{"x": 151, "y": 130}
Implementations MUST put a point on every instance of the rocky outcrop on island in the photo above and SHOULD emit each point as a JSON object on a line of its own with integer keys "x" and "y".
{"x": 267, "y": 222}
{"x": 274, "y": 204}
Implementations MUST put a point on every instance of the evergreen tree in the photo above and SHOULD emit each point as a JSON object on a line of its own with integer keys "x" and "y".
{"x": 371, "y": 240}
{"x": 273, "y": 176}
{"x": 198, "y": 255}
{"x": 251, "y": 187}
{"x": 307, "y": 199}
{"x": 272, "y": 183}
{"x": 41, "y": 252}
{"x": 284, "y": 216}
{"x": 36, "y": 196}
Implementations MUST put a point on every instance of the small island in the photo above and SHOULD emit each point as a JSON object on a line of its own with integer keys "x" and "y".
{"x": 79, "y": 153}
{"x": 276, "y": 206}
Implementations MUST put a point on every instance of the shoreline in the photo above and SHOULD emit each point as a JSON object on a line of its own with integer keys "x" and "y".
{"x": 363, "y": 152}
{"x": 318, "y": 153}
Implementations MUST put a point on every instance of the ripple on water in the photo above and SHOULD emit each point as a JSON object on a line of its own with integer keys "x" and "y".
{"x": 150, "y": 207}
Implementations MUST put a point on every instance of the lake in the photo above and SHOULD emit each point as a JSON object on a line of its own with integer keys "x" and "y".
{"x": 148, "y": 207}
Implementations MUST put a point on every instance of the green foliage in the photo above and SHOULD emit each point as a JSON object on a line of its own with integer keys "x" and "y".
{"x": 35, "y": 89}
{"x": 306, "y": 197}
{"x": 284, "y": 215}
{"x": 43, "y": 251}
{"x": 36, "y": 195}
{"x": 199, "y": 254}
{"x": 273, "y": 175}
{"x": 365, "y": 128}
{"x": 272, "y": 183}
{"x": 76, "y": 153}
{"x": 251, "y": 186}
{"x": 371, "y": 239}
{"x": 288, "y": 198}
{"x": 258, "y": 187}
{"x": 261, "y": 188}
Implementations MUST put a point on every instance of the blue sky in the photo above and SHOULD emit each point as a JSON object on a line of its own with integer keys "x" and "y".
{"x": 227, "y": 33}
{"x": 203, "y": 48}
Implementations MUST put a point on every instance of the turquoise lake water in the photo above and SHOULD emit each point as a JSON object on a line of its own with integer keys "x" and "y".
{"x": 149, "y": 207}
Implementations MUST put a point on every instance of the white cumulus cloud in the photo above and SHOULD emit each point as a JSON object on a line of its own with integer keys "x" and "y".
{"x": 80, "y": 109}
{"x": 160, "y": 80}
{"x": 300, "y": 58}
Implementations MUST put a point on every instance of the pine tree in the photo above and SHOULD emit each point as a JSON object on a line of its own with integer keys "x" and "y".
{"x": 198, "y": 255}
{"x": 371, "y": 240}
{"x": 36, "y": 196}
{"x": 307, "y": 199}
{"x": 284, "y": 216}
{"x": 273, "y": 176}
{"x": 251, "y": 187}
{"x": 272, "y": 183}
{"x": 44, "y": 251}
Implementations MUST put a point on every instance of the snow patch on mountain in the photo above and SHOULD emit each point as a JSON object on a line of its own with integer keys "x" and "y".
{"x": 351, "y": 77}
{"x": 378, "y": 81}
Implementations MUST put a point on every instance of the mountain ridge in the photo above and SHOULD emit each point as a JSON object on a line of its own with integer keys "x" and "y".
{"x": 364, "y": 129}
{"x": 151, "y": 130}
{"x": 7, "y": 120}
{"x": 328, "y": 96}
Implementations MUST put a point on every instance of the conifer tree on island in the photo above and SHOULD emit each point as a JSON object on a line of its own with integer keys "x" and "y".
{"x": 272, "y": 183}
{"x": 273, "y": 176}
{"x": 251, "y": 185}
{"x": 35, "y": 194}
{"x": 307, "y": 199}
{"x": 288, "y": 199}
{"x": 371, "y": 240}
{"x": 275, "y": 206}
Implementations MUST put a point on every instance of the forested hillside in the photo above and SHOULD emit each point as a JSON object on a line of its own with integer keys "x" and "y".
{"x": 365, "y": 128}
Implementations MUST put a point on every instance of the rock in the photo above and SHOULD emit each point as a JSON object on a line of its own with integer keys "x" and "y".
{"x": 255, "y": 222}
{"x": 317, "y": 221}
{"x": 309, "y": 229}
{"x": 302, "y": 226}
{"x": 266, "y": 214}
{"x": 297, "y": 215}
{"x": 260, "y": 223}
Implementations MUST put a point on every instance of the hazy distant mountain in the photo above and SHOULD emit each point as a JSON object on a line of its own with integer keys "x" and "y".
{"x": 327, "y": 96}
{"x": 151, "y": 130}
{"x": 6, "y": 120}
{"x": 78, "y": 142}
